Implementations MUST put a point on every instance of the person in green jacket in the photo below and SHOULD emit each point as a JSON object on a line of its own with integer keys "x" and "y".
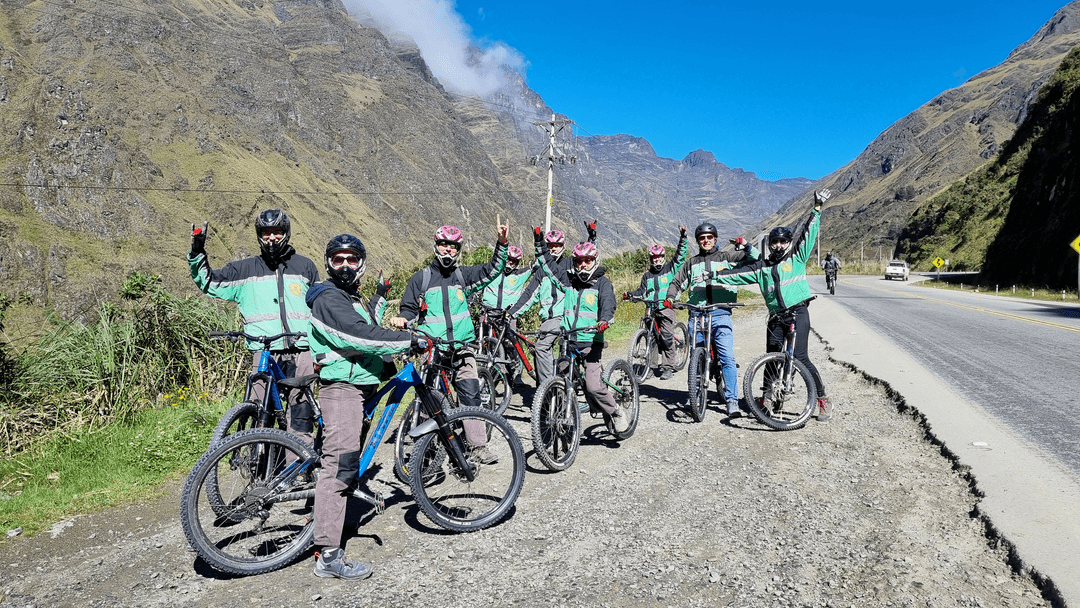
{"x": 269, "y": 289}
{"x": 782, "y": 279}
{"x": 505, "y": 289}
{"x": 437, "y": 297}
{"x": 653, "y": 289}
{"x": 348, "y": 345}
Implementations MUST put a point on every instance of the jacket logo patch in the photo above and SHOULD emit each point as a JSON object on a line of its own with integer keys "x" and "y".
{"x": 511, "y": 281}
{"x": 460, "y": 295}
{"x": 296, "y": 290}
{"x": 663, "y": 279}
{"x": 786, "y": 267}
{"x": 590, "y": 299}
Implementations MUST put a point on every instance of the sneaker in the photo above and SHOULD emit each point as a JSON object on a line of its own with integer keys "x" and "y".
{"x": 735, "y": 413}
{"x": 620, "y": 421}
{"x": 824, "y": 409}
{"x": 666, "y": 373}
{"x": 484, "y": 456}
{"x": 332, "y": 563}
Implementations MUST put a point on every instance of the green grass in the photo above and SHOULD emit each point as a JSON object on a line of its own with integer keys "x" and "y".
{"x": 86, "y": 469}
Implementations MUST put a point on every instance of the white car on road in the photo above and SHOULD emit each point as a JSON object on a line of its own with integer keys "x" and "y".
{"x": 897, "y": 269}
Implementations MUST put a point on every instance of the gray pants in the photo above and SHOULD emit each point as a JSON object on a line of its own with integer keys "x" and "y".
{"x": 343, "y": 418}
{"x": 545, "y": 348}
{"x": 594, "y": 380}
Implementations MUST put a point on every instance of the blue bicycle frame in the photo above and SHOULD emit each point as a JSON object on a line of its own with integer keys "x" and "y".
{"x": 268, "y": 372}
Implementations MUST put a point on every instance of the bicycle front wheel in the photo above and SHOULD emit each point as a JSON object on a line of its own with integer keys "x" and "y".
{"x": 494, "y": 388}
{"x": 556, "y": 425}
{"x": 441, "y": 487}
{"x": 261, "y": 518}
{"x": 619, "y": 376}
{"x": 640, "y": 355}
{"x": 681, "y": 346}
{"x": 697, "y": 383}
{"x": 779, "y": 402}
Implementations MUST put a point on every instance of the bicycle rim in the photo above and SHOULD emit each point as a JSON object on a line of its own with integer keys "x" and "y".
{"x": 698, "y": 384}
{"x": 620, "y": 376}
{"x": 780, "y": 404}
{"x": 264, "y": 521}
{"x": 443, "y": 491}
{"x": 639, "y": 356}
{"x": 681, "y": 347}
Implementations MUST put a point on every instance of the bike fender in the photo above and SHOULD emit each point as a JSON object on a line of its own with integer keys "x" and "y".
{"x": 425, "y": 427}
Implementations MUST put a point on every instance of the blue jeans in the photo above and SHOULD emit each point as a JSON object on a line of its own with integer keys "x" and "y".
{"x": 723, "y": 340}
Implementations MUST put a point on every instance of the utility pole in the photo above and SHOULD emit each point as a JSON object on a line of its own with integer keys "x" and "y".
{"x": 552, "y": 154}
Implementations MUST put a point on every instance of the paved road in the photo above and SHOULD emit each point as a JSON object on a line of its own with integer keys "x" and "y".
{"x": 1015, "y": 358}
{"x": 993, "y": 378}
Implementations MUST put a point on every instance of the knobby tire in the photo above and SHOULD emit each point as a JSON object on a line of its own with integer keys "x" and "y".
{"x": 790, "y": 408}
{"x": 556, "y": 425}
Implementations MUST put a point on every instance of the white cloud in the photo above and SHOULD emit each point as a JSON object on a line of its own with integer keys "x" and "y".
{"x": 443, "y": 38}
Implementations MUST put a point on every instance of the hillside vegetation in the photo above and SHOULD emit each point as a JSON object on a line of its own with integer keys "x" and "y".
{"x": 1013, "y": 219}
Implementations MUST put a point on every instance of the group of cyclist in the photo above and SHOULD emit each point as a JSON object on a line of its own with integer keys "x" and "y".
{"x": 279, "y": 291}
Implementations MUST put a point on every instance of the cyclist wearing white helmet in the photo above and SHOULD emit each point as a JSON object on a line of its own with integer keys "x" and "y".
{"x": 589, "y": 304}
{"x": 542, "y": 290}
{"x": 437, "y": 297}
{"x": 653, "y": 289}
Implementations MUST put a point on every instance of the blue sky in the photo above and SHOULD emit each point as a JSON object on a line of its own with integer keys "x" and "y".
{"x": 782, "y": 88}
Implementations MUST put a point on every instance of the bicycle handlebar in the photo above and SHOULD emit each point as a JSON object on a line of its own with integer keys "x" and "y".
{"x": 266, "y": 341}
{"x": 708, "y": 307}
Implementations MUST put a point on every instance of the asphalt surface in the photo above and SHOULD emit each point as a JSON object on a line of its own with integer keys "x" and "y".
{"x": 994, "y": 378}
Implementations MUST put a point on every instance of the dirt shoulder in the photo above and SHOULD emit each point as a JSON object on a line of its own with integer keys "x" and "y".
{"x": 861, "y": 511}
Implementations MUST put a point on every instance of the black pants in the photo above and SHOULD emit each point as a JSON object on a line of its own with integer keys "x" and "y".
{"x": 774, "y": 340}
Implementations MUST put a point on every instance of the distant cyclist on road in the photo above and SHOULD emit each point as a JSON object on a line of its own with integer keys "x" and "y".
{"x": 696, "y": 275}
{"x": 831, "y": 265}
{"x": 269, "y": 289}
{"x": 782, "y": 280}
{"x": 654, "y": 288}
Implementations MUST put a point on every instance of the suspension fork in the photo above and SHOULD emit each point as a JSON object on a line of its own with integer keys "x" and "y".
{"x": 453, "y": 442}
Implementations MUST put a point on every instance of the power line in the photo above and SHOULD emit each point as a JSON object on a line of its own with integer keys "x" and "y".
{"x": 263, "y": 190}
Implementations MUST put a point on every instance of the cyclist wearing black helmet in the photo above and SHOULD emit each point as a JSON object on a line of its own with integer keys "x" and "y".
{"x": 269, "y": 289}
{"x": 348, "y": 344}
{"x": 782, "y": 280}
{"x": 696, "y": 275}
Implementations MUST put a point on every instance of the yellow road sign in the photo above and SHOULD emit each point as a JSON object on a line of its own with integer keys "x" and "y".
{"x": 1075, "y": 244}
{"x": 938, "y": 262}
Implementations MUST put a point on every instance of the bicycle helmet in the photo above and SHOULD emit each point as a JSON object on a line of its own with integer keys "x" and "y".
{"x": 513, "y": 259}
{"x": 586, "y": 251}
{"x": 448, "y": 235}
{"x": 782, "y": 236}
{"x": 656, "y": 251}
{"x": 705, "y": 228}
{"x": 345, "y": 277}
{"x": 272, "y": 218}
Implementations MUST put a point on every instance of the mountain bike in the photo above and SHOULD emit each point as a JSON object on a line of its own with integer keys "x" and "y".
{"x": 556, "y": 413}
{"x": 269, "y": 411}
{"x": 437, "y": 373}
{"x": 508, "y": 349}
{"x": 644, "y": 353}
{"x": 830, "y": 281}
{"x": 703, "y": 360}
{"x": 262, "y": 519}
{"x": 778, "y": 388}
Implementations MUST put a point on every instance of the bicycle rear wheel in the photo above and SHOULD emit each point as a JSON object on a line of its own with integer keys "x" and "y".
{"x": 697, "y": 383}
{"x": 403, "y": 444}
{"x": 442, "y": 489}
{"x": 620, "y": 378}
{"x": 556, "y": 425}
{"x": 494, "y": 388}
{"x": 682, "y": 346}
{"x": 780, "y": 404}
{"x": 264, "y": 520}
{"x": 640, "y": 355}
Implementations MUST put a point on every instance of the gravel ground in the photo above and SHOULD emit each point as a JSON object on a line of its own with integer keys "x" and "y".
{"x": 860, "y": 511}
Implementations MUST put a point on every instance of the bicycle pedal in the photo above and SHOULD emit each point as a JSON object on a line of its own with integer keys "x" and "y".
{"x": 376, "y": 500}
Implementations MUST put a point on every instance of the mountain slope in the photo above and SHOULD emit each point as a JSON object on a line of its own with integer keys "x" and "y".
{"x": 1014, "y": 218}
{"x": 937, "y": 144}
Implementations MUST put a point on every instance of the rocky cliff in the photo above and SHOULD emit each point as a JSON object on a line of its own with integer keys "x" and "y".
{"x": 937, "y": 144}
